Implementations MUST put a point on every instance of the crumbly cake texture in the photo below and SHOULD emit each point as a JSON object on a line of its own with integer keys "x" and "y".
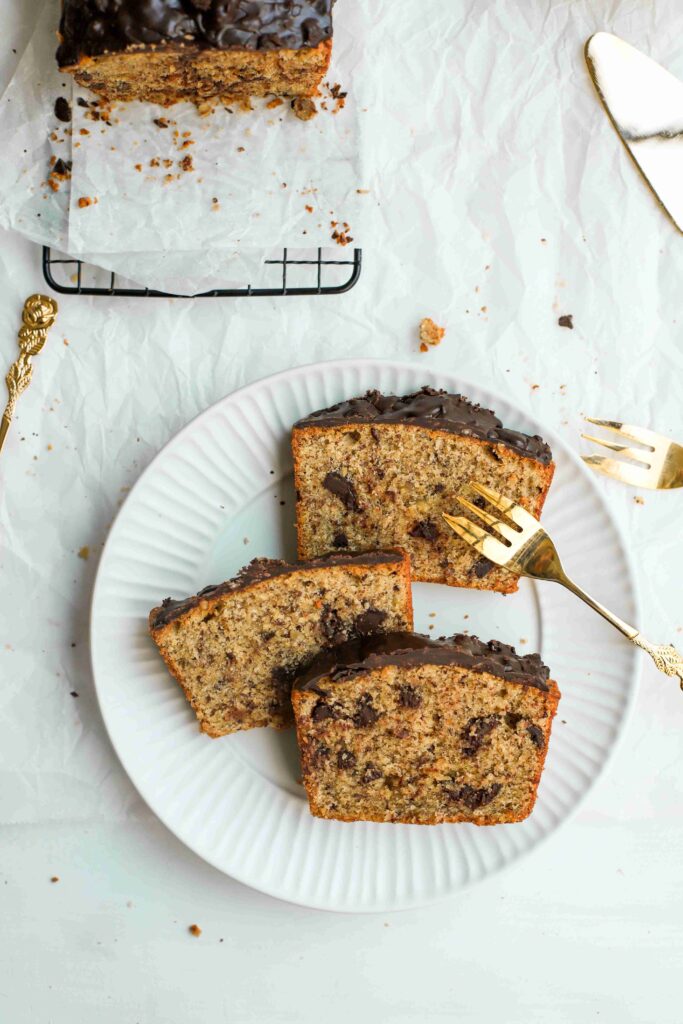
{"x": 235, "y": 648}
{"x": 204, "y": 51}
{"x": 380, "y": 470}
{"x": 403, "y": 728}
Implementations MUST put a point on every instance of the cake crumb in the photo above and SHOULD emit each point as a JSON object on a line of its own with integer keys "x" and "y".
{"x": 84, "y": 201}
{"x": 567, "y": 321}
{"x": 340, "y": 232}
{"x": 304, "y": 108}
{"x": 275, "y": 102}
{"x": 195, "y": 930}
{"x": 430, "y": 334}
{"x": 186, "y": 163}
{"x": 55, "y": 878}
{"x": 638, "y": 500}
{"x": 84, "y": 553}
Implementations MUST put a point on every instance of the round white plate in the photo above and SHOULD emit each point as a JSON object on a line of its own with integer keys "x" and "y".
{"x": 220, "y": 494}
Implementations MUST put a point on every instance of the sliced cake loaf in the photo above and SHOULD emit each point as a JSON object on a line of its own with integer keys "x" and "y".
{"x": 164, "y": 51}
{"x": 403, "y": 728}
{"x": 235, "y": 648}
{"x": 379, "y": 471}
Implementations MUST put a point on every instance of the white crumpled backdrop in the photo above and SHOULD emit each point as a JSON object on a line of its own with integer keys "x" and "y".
{"x": 503, "y": 201}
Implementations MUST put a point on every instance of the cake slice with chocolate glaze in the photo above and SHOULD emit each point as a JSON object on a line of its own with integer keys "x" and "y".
{"x": 380, "y": 470}
{"x": 403, "y": 728}
{"x": 204, "y": 51}
{"x": 235, "y": 648}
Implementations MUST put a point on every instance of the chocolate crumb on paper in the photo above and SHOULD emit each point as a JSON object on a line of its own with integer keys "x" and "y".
{"x": 62, "y": 109}
{"x": 567, "y": 321}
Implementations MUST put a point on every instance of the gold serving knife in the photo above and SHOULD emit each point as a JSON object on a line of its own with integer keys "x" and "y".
{"x": 39, "y": 314}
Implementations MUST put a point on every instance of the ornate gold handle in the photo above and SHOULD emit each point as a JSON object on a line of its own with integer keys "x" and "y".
{"x": 665, "y": 656}
{"x": 38, "y": 316}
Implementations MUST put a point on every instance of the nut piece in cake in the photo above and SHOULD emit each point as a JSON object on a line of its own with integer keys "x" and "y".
{"x": 235, "y": 648}
{"x": 379, "y": 471}
{"x": 401, "y": 728}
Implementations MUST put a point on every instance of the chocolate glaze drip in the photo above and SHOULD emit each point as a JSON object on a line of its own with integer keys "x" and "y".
{"x": 258, "y": 571}
{"x": 436, "y": 410}
{"x": 92, "y": 27}
{"x": 409, "y": 649}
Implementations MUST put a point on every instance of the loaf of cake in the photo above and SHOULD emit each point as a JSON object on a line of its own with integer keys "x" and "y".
{"x": 235, "y": 648}
{"x": 379, "y": 471}
{"x": 164, "y": 51}
{"x": 402, "y": 728}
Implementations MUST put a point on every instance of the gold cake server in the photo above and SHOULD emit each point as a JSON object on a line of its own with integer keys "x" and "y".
{"x": 38, "y": 316}
{"x": 645, "y": 104}
{"x": 518, "y": 542}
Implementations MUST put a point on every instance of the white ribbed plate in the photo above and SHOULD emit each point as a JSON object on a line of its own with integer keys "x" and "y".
{"x": 210, "y": 502}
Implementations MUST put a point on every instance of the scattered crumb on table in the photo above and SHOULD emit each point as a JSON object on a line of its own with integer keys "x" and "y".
{"x": 430, "y": 334}
{"x": 195, "y": 930}
{"x": 84, "y": 553}
{"x": 567, "y": 321}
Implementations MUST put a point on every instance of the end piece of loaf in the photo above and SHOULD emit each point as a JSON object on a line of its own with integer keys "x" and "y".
{"x": 379, "y": 471}
{"x": 164, "y": 51}
{"x": 403, "y": 728}
{"x": 235, "y": 648}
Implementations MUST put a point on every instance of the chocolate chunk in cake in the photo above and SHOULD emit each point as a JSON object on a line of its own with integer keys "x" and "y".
{"x": 164, "y": 51}
{"x": 235, "y": 648}
{"x": 380, "y": 470}
{"x": 424, "y": 731}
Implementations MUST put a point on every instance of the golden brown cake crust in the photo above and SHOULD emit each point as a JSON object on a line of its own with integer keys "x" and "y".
{"x": 414, "y": 742}
{"x": 235, "y": 649}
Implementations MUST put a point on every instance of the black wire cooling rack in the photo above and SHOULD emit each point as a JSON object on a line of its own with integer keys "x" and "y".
{"x": 291, "y": 275}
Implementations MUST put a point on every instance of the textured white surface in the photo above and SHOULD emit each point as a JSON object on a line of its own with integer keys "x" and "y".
{"x": 588, "y": 928}
{"x": 236, "y": 802}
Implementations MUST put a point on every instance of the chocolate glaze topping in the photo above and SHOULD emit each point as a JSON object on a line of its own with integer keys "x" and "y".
{"x": 92, "y": 27}
{"x": 409, "y": 649}
{"x": 437, "y": 410}
{"x": 258, "y": 571}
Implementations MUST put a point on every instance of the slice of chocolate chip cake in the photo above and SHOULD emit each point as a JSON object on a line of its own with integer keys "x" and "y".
{"x": 164, "y": 51}
{"x": 235, "y": 648}
{"x": 379, "y": 471}
{"x": 403, "y": 728}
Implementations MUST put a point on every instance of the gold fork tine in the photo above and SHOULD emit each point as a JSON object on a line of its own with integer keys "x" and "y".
{"x": 507, "y": 531}
{"x": 658, "y": 465}
{"x": 637, "y": 454}
{"x": 634, "y": 475}
{"x": 513, "y": 511}
{"x": 477, "y": 538}
{"x": 638, "y": 434}
{"x": 531, "y": 553}
{"x": 468, "y": 531}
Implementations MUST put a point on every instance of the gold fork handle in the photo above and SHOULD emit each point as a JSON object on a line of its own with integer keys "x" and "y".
{"x": 665, "y": 656}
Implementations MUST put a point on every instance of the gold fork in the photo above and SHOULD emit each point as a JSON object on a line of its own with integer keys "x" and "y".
{"x": 657, "y": 465}
{"x": 526, "y": 549}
